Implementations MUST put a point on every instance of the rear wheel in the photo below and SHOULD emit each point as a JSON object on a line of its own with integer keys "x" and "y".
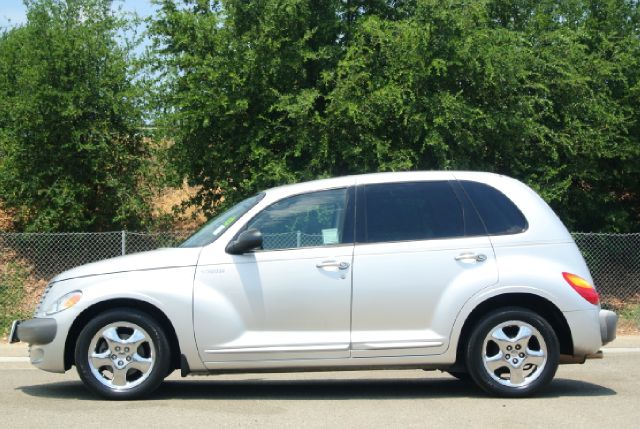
{"x": 122, "y": 354}
{"x": 513, "y": 352}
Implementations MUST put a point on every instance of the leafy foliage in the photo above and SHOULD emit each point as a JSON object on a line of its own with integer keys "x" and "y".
{"x": 12, "y": 278}
{"x": 71, "y": 153}
{"x": 273, "y": 91}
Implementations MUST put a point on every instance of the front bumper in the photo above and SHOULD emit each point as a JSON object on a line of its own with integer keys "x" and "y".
{"x": 46, "y": 338}
{"x": 608, "y": 324}
{"x": 33, "y": 331}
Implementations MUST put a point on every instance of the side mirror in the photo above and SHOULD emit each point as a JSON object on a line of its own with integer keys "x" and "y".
{"x": 247, "y": 240}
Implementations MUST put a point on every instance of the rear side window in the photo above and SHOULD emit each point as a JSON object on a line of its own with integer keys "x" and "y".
{"x": 499, "y": 213}
{"x": 412, "y": 211}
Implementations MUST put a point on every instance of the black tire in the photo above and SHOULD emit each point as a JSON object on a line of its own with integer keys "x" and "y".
{"x": 153, "y": 352}
{"x": 511, "y": 372}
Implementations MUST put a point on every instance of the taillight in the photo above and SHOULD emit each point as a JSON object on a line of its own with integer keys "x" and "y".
{"x": 583, "y": 287}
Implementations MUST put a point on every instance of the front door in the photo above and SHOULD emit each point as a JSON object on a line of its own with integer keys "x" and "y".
{"x": 289, "y": 300}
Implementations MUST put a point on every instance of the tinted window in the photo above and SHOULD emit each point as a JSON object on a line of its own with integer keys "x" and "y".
{"x": 473, "y": 225}
{"x": 499, "y": 213}
{"x": 306, "y": 220}
{"x": 412, "y": 211}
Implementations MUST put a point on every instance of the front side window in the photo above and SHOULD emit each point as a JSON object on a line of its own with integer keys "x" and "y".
{"x": 412, "y": 211}
{"x": 216, "y": 226}
{"x": 306, "y": 220}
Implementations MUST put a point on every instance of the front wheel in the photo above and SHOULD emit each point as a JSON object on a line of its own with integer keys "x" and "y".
{"x": 513, "y": 352}
{"x": 122, "y": 354}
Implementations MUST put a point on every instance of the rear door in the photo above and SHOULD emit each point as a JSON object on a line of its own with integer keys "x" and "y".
{"x": 421, "y": 251}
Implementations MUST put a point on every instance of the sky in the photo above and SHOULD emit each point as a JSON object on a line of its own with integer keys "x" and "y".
{"x": 13, "y": 12}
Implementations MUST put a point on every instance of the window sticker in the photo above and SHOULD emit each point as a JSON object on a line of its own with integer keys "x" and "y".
{"x": 330, "y": 236}
{"x": 229, "y": 221}
{"x": 219, "y": 229}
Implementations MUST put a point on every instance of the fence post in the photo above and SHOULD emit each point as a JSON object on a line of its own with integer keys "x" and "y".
{"x": 123, "y": 242}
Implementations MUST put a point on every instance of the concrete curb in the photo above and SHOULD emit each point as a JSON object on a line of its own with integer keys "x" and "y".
{"x": 620, "y": 350}
{"x": 14, "y": 359}
{"x": 14, "y": 350}
{"x": 623, "y": 341}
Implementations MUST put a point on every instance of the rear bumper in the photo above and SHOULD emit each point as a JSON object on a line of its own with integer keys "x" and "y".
{"x": 608, "y": 324}
{"x": 591, "y": 329}
{"x": 586, "y": 342}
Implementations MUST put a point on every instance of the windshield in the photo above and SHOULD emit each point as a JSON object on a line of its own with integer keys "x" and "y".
{"x": 216, "y": 226}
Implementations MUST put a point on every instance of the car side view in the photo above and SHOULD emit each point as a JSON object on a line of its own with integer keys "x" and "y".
{"x": 465, "y": 272}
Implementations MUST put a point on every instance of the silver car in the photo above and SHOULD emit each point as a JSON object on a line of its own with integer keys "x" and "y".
{"x": 469, "y": 273}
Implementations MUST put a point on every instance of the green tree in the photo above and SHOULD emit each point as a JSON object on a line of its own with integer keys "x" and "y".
{"x": 242, "y": 83}
{"x": 71, "y": 150}
{"x": 517, "y": 90}
{"x": 272, "y": 91}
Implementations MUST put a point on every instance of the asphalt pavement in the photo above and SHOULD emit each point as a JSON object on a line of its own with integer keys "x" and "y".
{"x": 602, "y": 393}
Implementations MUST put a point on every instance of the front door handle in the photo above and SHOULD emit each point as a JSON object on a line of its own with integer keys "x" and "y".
{"x": 333, "y": 264}
{"x": 469, "y": 256}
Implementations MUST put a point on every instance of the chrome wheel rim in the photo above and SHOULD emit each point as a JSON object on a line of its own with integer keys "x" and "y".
{"x": 121, "y": 355}
{"x": 514, "y": 354}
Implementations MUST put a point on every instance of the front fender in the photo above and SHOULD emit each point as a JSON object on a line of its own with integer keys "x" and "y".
{"x": 169, "y": 290}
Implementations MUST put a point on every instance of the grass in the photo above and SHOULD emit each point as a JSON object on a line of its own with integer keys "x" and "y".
{"x": 628, "y": 310}
{"x": 20, "y": 290}
{"x": 12, "y": 293}
{"x": 629, "y": 322}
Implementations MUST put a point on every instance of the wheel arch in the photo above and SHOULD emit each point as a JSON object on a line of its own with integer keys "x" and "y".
{"x": 535, "y": 303}
{"x": 97, "y": 308}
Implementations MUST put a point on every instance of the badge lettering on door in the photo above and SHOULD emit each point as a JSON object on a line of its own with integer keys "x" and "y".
{"x": 213, "y": 271}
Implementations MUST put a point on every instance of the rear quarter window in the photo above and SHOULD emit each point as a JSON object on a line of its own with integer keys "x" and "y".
{"x": 499, "y": 214}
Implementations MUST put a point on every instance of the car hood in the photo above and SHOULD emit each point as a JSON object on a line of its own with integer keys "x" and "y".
{"x": 153, "y": 260}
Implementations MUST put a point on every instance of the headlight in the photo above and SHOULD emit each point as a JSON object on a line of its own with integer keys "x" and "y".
{"x": 65, "y": 301}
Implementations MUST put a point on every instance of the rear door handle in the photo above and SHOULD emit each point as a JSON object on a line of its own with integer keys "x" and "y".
{"x": 477, "y": 257}
{"x": 333, "y": 264}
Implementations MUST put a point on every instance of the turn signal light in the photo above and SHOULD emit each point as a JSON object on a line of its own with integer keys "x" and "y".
{"x": 583, "y": 287}
{"x": 64, "y": 302}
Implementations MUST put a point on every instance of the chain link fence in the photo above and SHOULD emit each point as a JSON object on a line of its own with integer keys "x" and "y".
{"x": 614, "y": 262}
{"x": 290, "y": 240}
{"x": 29, "y": 261}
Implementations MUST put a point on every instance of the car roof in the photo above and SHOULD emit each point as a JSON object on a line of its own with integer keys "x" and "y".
{"x": 386, "y": 177}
